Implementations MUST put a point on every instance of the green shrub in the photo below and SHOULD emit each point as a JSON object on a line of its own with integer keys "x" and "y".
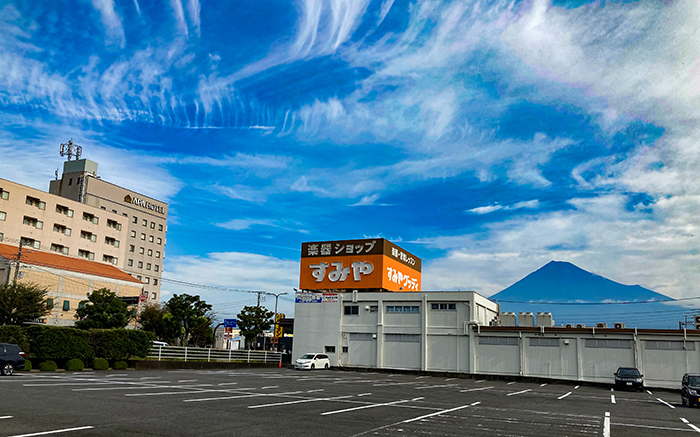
{"x": 14, "y": 335}
{"x": 27, "y": 365}
{"x": 100, "y": 364}
{"x": 56, "y": 343}
{"x": 48, "y": 366}
{"x": 119, "y": 365}
{"x": 120, "y": 344}
{"x": 74, "y": 365}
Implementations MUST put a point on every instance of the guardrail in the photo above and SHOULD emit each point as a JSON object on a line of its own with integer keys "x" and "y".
{"x": 207, "y": 354}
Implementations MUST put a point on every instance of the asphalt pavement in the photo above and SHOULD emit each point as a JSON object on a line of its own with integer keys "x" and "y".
{"x": 284, "y": 402}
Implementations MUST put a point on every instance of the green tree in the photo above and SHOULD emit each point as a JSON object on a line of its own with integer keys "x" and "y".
{"x": 103, "y": 310}
{"x": 253, "y": 321}
{"x": 21, "y": 303}
{"x": 202, "y": 333}
{"x": 151, "y": 320}
{"x": 185, "y": 312}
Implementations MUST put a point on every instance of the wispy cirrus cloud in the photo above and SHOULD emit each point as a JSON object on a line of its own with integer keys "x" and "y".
{"x": 529, "y": 204}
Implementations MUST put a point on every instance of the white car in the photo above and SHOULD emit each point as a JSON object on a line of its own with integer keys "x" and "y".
{"x": 313, "y": 361}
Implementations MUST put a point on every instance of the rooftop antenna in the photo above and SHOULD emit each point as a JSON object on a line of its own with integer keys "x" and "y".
{"x": 71, "y": 149}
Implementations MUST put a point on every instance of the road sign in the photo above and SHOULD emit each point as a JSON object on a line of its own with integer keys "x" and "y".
{"x": 143, "y": 298}
{"x": 229, "y": 323}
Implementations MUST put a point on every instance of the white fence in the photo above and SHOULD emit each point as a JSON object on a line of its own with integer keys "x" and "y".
{"x": 207, "y": 354}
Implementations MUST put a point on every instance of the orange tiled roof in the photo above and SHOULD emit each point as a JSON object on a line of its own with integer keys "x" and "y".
{"x": 56, "y": 261}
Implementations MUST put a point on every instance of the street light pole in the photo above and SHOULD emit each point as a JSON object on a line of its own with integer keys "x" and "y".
{"x": 274, "y": 332}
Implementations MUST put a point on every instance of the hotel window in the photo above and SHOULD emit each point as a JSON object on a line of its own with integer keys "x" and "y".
{"x": 114, "y": 211}
{"x": 61, "y": 229}
{"x": 157, "y": 254}
{"x": 130, "y": 262}
{"x": 88, "y": 236}
{"x": 153, "y": 225}
{"x": 113, "y": 224}
{"x": 141, "y": 250}
{"x": 49, "y": 303}
{"x": 112, "y": 241}
{"x": 4, "y": 195}
{"x": 2, "y": 236}
{"x": 351, "y": 310}
{"x": 103, "y": 208}
{"x": 131, "y": 248}
{"x": 3, "y": 215}
{"x": 109, "y": 259}
{"x": 140, "y": 264}
{"x": 24, "y": 241}
{"x": 135, "y": 219}
{"x": 59, "y": 248}
{"x": 159, "y": 240}
{"x": 90, "y": 218}
{"x": 403, "y": 309}
{"x": 133, "y": 234}
{"x": 138, "y": 277}
{"x": 150, "y": 252}
{"x": 148, "y": 266}
{"x": 156, "y": 268}
{"x": 86, "y": 254}
{"x": 33, "y": 201}
{"x": 147, "y": 280}
{"x": 31, "y": 221}
{"x": 144, "y": 222}
{"x": 143, "y": 236}
{"x": 64, "y": 210}
{"x": 155, "y": 282}
{"x": 81, "y": 304}
{"x": 66, "y": 305}
{"x": 160, "y": 228}
{"x": 150, "y": 238}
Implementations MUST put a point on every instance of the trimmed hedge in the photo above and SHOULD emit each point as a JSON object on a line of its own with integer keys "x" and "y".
{"x": 100, "y": 364}
{"x": 48, "y": 366}
{"x": 74, "y": 365}
{"x": 56, "y": 343}
{"x": 119, "y": 365}
{"x": 15, "y": 335}
{"x": 27, "y": 365}
{"x": 120, "y": 344}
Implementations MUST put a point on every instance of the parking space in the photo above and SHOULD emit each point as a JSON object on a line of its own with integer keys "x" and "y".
{"x": 287, "y": 402}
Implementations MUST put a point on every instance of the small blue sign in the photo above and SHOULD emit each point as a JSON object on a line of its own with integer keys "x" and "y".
{"x": 229, "y": 323}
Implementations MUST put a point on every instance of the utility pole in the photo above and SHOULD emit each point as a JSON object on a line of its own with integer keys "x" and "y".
{"x": 259, "y": 293}
{"x": 274, "y": 332}
{"x": 19, "y": 259}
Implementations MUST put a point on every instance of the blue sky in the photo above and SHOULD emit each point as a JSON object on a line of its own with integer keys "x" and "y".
{"x": 486, "y": 137}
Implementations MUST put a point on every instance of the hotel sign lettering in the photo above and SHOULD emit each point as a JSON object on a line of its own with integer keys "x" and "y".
{"x": 144, "y": 204}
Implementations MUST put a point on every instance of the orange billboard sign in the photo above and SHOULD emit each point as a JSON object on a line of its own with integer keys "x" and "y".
{"x": 375, "y": 264}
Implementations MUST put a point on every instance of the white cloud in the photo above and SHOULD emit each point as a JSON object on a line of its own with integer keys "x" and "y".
{"x": 241, "y": 224}
{"x": 179, "y": 15}
{"x": 486, "y": 209}
{"x": 528, "y": 204}
{"x": 111, "y": 20}
{"x": 367, "y": 200}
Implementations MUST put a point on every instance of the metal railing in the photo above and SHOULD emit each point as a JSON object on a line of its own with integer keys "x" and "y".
{"x": 207, "y": 354}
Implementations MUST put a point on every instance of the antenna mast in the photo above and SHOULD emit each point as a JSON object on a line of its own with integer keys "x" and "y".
{"x": 71, "y": 149}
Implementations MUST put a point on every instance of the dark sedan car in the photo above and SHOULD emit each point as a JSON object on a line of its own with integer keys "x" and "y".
{"x": 11, "y": 358}
{"x": 690, "y": 389}
{"x": 629, "y": 377}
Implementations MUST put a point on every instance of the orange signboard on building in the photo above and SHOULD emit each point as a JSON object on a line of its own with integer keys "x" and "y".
{"x": 375, "y": 264}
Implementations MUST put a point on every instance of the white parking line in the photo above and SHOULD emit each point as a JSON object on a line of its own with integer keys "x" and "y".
{"x": 440, "y": 412}
{"x": 318, "y": 389}
{"x": 243, "y": 396}
{"x": 519, "y": 392}
{"x": 450, "y": 379}
{"x": 612, "y": 389}
{"x": 302, "y": 401}
{"x": 435, "y": 386}
{"x": 395, "y": 383}
{"x": 563, "y": 396}
{"x": 648, "y": 392}
{"x": 606, "y": 425}
{"x": 228, "y": 383}
{"x": 475, "y": 389}
{"x": 612, "y": 399}
{"x": 184, "y": 387}
{"x": 327, "y": 413}
{"x": 542, "y": 385}
{"x": 6, "y": 417}
{"x": 481, "y": 380}
{"x": 576, "y": 388}
{"x": 511, "y": 383}
{"x": 690, "y": 425}
{"x": 53, "y": 432}
{"x": 665, "y": 403}
{"x": 189, "y": 380}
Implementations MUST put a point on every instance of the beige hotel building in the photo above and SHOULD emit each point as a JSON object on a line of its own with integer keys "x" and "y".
{"x": 85, "y": 217}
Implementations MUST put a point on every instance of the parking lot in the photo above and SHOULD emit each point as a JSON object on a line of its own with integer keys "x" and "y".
{"x": 256, "y": 402}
